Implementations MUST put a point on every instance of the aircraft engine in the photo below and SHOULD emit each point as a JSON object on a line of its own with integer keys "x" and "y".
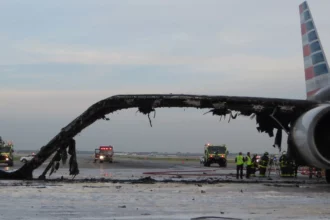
{"x": 311, "y": 136}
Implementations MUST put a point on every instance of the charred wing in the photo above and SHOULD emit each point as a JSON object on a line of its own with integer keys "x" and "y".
{"x": 270, "y": 114}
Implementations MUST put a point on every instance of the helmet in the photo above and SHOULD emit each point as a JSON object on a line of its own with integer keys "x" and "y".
{"x": 266, "y": 153}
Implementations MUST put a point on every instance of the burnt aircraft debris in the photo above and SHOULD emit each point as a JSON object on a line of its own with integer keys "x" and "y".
{"x": 287, "y": 111}
{"x": 222, "y": 112}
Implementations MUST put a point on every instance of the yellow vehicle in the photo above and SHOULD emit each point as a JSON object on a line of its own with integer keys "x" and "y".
{"x": 6, "y": 153}
{"x": 215, "y": 154}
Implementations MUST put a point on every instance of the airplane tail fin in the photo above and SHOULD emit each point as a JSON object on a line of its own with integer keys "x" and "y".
{"x": 316, "y": 66}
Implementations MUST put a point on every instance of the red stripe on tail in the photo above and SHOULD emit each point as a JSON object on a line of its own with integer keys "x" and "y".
{"x": 309, "y": 73}
{"x": 312, "y": 92}
{"x": 303, "y": 29}
{"x": 307, "y": 50}
{"x": 301, "y": 8}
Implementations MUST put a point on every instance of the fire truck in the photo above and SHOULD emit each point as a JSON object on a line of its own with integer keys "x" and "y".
{"x": 215, "y": 154}
{"x": 104, "y": 153}
{"x": 6, "y": 152}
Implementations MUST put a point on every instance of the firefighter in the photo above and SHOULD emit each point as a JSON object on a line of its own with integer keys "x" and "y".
{"x": 284, "y": 164}
{"x": 239, "y": 165}
{"x": 254, "y": 165}
{"x": 248, "y": 162}
{"x": 287, "y": 166}
{"x": 263, "y": 163}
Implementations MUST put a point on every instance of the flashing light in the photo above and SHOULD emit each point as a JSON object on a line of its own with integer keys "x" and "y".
{"x": 105, "y": 148}
{"x": 101, "y": 157}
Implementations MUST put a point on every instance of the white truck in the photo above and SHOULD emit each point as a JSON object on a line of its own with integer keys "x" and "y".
{"x": 26, "y": 159}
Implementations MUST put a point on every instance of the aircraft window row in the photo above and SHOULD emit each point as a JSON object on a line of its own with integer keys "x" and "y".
{"x": 307, "y": 15}
{"x": 317, "y": 58}
{"x": 315, "y": 46}
{"x": 309, "y": 26}
{"x": 320, "y": 69}
{"x": 312, "y": 36}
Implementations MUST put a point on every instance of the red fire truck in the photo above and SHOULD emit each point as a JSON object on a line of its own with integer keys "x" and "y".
{"x": 104, "y": 153}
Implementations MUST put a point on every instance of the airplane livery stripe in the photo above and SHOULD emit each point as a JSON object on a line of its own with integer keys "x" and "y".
{"x": 317, "y": 82}
{"x": 310, "y": 85}
{"x": 305, "y": 39}
{"x": 301, "y": 9}
{"x": 309, "y": 73}
{"x": 320, "y": 69}
{"x": 307, "y": 50}
{"x": 309, "y": 26}
{"x": 312, "y": 92}
{"x": 303, "y": 29}
{"x": 302, "y": 18}
{"x": 308, "y": 62}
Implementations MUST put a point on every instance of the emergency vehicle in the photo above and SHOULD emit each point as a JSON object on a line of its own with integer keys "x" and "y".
{"x": 215, "y": 154}
{"x": 104, "y": 153}
{"x": 6, "y": 153}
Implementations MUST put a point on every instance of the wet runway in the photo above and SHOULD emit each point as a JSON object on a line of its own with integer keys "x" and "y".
{"x": 211, "y": 196}
{"x": 126, "y": 168}
{"x": 27, "y": 200}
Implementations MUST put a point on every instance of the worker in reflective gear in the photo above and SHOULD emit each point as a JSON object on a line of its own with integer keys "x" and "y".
{"x": 248, "y": 162}
{"x": 287, "y": 166}
{"x": 263, "y": 163}
{"x": 284, "y": 164}
{"x": 239, "y": 160}
{"x": 254, "y": 165}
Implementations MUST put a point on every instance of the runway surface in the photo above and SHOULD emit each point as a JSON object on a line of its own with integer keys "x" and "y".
{"x": 127, "y": 168}
{"x": 142, "y": 193}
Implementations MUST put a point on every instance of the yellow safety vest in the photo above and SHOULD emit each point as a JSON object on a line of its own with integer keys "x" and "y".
{"x": 248, "y": 162}
{"x": 239, "y": 160}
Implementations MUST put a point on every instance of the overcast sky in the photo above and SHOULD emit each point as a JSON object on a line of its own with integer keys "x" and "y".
{"x": 59, "y": 57}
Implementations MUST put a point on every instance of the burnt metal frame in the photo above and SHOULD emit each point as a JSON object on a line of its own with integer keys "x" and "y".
{"x": 288, "y": 110}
